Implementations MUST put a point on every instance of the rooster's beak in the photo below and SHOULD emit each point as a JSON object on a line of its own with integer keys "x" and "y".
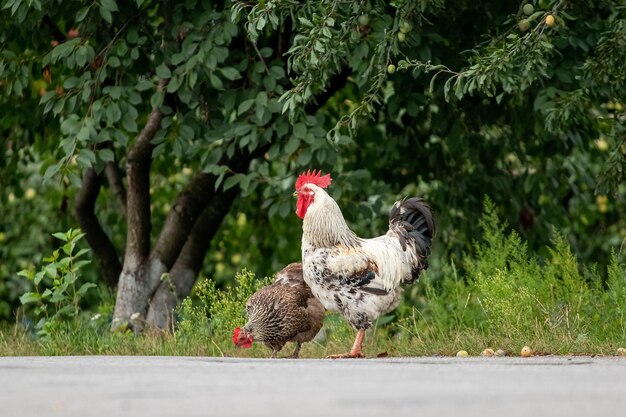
{"x": 295, "y": 194}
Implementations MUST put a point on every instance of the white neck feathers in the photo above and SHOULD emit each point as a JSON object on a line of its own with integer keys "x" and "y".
{"x": 324, "y": 225}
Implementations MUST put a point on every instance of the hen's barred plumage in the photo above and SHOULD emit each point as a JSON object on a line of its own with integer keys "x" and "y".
{"x": 361, "y": 278}
{"x": 282, "y": 312}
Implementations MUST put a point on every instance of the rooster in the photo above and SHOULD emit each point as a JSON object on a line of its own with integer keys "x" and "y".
{"x": 282, "y": 312}
{"x": 360, "y": 278}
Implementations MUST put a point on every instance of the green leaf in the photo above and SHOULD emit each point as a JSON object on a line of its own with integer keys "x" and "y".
{"x": 78, "y": 265}
{"x": 81, "y": 56}
{"x": 230, "y": 73}
{"x": 129, "y": 121}
{"x": 106, "y": 155}
{"x": 305, "y": 157}
{"x": 51, "y": 171}
{"x": 60, "y": 236}
{"x": 30, "y": 297}
{"x": 173, "y": 84}
{"x": 68, "y": 248}
{"x": 269, "y": 83}
{"x": 113, "y": 113}
{"x": 70, "y": 278}
{"x": 64, "y": 49}
{"x": 27, "y": 273}
{"x": 114, "y": 62}
{"x": 109, "y": 4}
{"x": 274, "y": 151}
{"x": 71, "y": 82}
{"x": 261, "y": 99}
{"x": 81, "y": 252}
{"x": 84, "y": 288}
{"x": 216, "y": 82}
{"x": 305, "y": 22}
{"x": 58, "y": 296}
{"x": 144, "y": 85}
{"x": 51, "y": 270}
{"x": 86, "y": 158}
{"x": 106, "y": 14}
{"x": 81, "y": 14}
{"x": 299, "y": 130}
{"x": 231, "y": 181}
{"x": 244, "y": 106}
{"x": 156, "y": 100}
{"x": 163, "y": 71}
{"x": 38, "y": 277}
{"x": 292, "y": 145}
{"x": 115, "y": 92}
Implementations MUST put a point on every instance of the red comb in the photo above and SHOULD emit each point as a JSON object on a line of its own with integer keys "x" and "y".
{"x": 313, "y": 177}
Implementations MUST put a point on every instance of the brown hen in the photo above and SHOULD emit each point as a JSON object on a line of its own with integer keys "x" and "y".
{"x": 282, "y": 312}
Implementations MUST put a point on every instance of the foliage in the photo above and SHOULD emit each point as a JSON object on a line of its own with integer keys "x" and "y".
{"x": 215, "y": 313}
{"x": 57, "y": 285}
{"x": 27, "y": 210}
{"x": 511, "y": 295}
{"x": 532, "y": 118}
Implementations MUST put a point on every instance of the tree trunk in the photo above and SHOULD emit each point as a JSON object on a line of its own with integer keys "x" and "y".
{"x": 138, "y": 281}
{"x": 183, "y": 274}
{"x": 140, "y": 274}
{"x": 102, "y": 247}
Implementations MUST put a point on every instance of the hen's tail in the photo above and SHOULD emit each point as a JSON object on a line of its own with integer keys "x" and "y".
{"x": 413, "y": 220}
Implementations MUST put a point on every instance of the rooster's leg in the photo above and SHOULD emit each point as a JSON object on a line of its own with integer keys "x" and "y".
{"x": 356, "y": 351}
{"x": 274, "y": 354}
{"x": 296, "y": 353}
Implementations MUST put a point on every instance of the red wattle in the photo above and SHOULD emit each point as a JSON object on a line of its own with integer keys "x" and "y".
{"x": 301, "y": 207}
{"x": 236, "y": 335}
{"x": 303, "y": 203}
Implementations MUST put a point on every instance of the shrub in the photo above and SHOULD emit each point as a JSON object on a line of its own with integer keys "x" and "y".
{"x": 57, "y": 289}
{"x": 212, "y": 313}
{"x": 511, "y": 296}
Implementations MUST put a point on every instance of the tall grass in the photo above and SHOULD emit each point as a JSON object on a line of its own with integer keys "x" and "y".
{"x": 509, "y": 297}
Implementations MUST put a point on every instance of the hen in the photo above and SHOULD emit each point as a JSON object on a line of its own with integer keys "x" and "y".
{"x": 282, "y": 312}
{"x": 360, "y": 278}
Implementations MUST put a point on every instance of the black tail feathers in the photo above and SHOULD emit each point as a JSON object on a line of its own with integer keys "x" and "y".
{"x": 416, "y": 219}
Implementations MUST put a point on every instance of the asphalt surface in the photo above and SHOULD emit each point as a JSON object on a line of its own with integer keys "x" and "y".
{"x": 188, "y": 387}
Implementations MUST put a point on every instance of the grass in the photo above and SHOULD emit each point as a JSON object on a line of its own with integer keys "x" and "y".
{"x": 503, "y": 297}
{"x": 75, "y": 339}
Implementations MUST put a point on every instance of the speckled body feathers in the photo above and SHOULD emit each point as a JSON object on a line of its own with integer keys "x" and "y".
{"x": 363, "y": 278}
{"x": 284, "y": 311}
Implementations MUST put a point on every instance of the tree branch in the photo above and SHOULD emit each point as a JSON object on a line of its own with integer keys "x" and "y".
{"x": 138, "y": 165}
{"x": 192, "y": 255}
{"x": 181, "y": 218}
{"x": 189, "y": 205}
{"x": 114, "y": 178}
{"x": 103, "y": 249}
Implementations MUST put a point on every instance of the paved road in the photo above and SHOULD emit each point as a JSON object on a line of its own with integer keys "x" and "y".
{"x": 189, "y": 387}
